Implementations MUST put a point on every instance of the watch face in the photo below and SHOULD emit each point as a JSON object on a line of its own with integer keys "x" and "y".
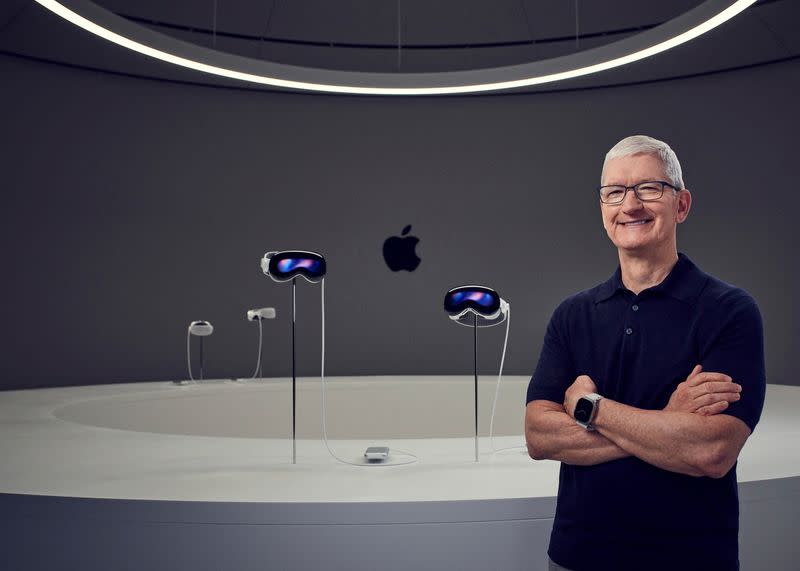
{"x": 583, "y": 410}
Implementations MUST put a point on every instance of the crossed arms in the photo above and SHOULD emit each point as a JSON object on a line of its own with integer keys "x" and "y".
{"x": 688, "y": 436}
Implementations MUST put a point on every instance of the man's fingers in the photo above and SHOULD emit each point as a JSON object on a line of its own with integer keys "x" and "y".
{"x": 696, "y": 371}
{"x": 716, "y": 387}
{"x": 712, "y": 409}
{"x": 695, "y": 377}
{"x": 712, "y": 398}
{"x": 701, "y": 378}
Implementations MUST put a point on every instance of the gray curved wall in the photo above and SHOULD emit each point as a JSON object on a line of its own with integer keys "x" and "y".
{"x": 45, "y": 532}
{"x": 132, "y": 207}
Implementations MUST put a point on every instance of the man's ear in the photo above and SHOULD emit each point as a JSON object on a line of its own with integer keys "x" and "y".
{"x": 684, "y": 204}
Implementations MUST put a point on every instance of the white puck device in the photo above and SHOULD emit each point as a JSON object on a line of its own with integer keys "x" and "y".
{"x": 376, "y": 453}
{"x": 263, "y": 313}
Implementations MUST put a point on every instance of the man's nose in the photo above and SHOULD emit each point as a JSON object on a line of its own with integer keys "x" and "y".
{"x": 631, "y": 201}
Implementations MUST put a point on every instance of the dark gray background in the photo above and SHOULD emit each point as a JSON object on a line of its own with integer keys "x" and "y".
{"x": 133, "y": 206}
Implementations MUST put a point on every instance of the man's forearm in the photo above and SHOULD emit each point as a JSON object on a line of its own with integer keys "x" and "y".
{"x": 676, "y": 441}
{"x": 552, "y": 434}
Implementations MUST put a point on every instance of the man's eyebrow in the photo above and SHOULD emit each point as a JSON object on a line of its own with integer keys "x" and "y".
{"x": 634, "y": 184}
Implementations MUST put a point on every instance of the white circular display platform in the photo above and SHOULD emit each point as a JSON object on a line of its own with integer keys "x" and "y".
{"x": 202, "y": 474}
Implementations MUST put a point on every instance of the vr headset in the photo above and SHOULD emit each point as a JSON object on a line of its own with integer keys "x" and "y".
{"x": 289, "y": 264}
{"x": 481, "y": 301}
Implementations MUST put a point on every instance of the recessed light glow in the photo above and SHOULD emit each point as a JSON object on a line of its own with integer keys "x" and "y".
{"x": 92, "y": 18}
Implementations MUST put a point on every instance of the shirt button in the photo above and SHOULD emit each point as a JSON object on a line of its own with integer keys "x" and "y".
{"x": 635, "y": 308}
{"x": 628, "y": 331}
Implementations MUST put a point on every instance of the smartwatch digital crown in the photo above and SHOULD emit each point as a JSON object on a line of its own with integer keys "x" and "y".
{"x": 586, "y": 410}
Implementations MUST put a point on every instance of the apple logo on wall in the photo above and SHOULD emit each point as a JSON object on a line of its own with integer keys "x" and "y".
{"x": 399, "y": 252}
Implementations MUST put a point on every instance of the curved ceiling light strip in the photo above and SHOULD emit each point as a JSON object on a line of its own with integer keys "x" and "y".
{"x": 101, "y": 22}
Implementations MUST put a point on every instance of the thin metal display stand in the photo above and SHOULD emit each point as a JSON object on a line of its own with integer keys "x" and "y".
{"x": 201, "y": 356}
{"x": 475, "y": 370}
{"x": 196, "y": 329}
{"x": 294, "y": 375}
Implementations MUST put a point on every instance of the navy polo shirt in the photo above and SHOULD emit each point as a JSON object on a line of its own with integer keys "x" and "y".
{"x": 628, "y": 514}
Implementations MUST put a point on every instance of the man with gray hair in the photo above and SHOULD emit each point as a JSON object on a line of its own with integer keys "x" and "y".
{"x": 646, "y": 389}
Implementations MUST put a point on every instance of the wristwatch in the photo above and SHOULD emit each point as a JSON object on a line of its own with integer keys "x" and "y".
{"x": 586, "y": 410}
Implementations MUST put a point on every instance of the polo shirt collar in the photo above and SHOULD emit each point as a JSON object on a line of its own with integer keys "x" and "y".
{"x": 684, "y": 282}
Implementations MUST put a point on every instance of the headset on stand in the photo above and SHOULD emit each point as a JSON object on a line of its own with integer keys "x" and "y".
{"x": 480, "y": 306}
{"x": 287, "y": 266}
{"x": 198, "y": 329}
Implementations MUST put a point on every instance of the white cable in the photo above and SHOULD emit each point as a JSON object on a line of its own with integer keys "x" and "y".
{"x": 260, "y": 339}
{"x": 188, "y": 352}
{"x": 324, "y": 411}
{"x": 497, "y": 390}
{"x": 499, "y": 376}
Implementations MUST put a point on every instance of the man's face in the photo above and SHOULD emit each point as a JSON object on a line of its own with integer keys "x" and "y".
{"x": 637, "y": 226}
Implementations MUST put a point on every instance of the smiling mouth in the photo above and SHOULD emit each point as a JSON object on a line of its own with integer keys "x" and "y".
{"x": 636, "y": 222}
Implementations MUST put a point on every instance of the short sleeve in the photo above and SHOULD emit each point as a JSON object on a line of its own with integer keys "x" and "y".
{"x": 737, "y": 349}
{"x": 554, "y": 371}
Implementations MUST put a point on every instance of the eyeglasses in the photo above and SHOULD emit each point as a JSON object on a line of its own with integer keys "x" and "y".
{"x": 645, "y": 191}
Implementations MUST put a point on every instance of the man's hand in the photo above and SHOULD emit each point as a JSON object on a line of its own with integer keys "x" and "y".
{"x": 582, "y": 386}
{"x": 675, "y": 439}
{"x": 705, "y": 394}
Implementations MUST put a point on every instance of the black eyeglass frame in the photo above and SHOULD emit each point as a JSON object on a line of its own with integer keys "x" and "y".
{"x": 635, "y": 189}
